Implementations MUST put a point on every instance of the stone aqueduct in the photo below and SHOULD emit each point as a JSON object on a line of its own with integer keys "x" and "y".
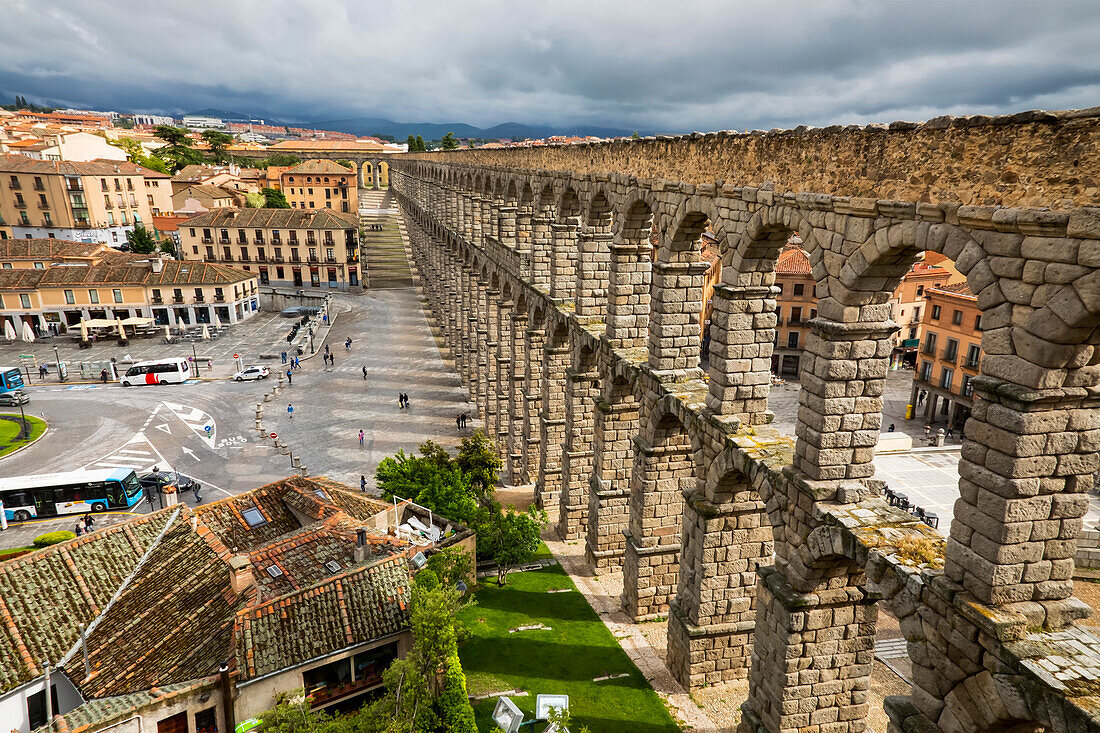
{"x": 769, "y": 554}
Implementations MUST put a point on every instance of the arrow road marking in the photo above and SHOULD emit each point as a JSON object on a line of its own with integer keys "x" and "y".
{"x": 197, "y": 420}
{"x": 190, "y": 452}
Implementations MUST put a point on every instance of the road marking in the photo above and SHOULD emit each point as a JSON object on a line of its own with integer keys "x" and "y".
{"x": 190, "y": 452}
{"x": 197, "y": 420}
{"x": 137, "y": 454}
{"x": 165, "y": 428}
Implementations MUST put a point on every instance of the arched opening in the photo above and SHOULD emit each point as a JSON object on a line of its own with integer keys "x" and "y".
{"x": 594, "y": 259}
{"x": 676, "y": 294}
{"x": 563, "y": 259}
{"x": 581, "y": 391}
{"x": 630, "y": 271}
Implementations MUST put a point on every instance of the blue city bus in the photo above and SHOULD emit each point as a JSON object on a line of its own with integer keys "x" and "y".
{"x": 11, "y": 379}
{"x": 72, "y": 492}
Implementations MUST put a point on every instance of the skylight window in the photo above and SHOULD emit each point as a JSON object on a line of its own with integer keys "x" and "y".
{"x": 333, "y": 566}
{"x": 253, "y": 517}
{"x": 320, "y": 494}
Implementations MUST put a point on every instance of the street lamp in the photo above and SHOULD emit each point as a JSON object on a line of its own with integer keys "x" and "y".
{"x": 23, "y": 433}
{"x": 57, "y": 360}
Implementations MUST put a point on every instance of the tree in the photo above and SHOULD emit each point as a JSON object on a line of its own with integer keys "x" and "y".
{"x": 420, "y": 144}
{"x": 345, "y": 163}
{"x": 635, "y": 135}
{"x": 138, "y": 155}
{"x": 478, "y": 459}
{"x": 448, "y": 142}
{"x": 255, "y": 200}
{"x": 449, "y": 566}
{"x": 511, "y": 538}
{"x": 124, "y": 123}
{"x": 218, "y": 142}
{"x": 141, "y": 240}
{"x": 274, "y": 199}
{"x": 168, "y": 247}
{"x": 412, "y": 144}
{"x": 431, "y": 480}
{"x": 177, "y": 151}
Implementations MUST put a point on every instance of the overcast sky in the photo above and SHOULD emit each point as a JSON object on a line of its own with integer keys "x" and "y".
{"x": 661, "y": 66}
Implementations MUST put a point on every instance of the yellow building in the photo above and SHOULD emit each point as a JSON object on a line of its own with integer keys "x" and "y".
{"x": 53, "y": 285}
{"x": 92, "y": 202}
{"x": 287, "y": 247}
{"x": 319, "y": 184}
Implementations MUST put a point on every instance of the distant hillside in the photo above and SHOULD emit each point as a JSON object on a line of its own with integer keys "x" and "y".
{"x": 435, "y": 130}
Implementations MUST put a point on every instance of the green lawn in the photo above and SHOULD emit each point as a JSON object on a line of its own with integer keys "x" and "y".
{"x": 14, "y": 550}
{"x": 562, "y": 660}
{"x": 9, "y": 429}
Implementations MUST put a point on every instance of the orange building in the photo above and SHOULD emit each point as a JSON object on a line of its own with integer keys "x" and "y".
{"x": 796, "y": 304}
{"x": 950, "y": 355}
{"x": 908, "y": 303}
{"x": 319, "y": 184}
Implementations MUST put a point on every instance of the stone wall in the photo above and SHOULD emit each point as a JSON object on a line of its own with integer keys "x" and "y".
{"x": 1027, "y": 159}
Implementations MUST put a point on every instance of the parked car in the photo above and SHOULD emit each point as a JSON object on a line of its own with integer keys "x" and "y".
{"x": 252, "y": 372}
{"x": 15, "y": 397}
{"x": 154, "y": 482}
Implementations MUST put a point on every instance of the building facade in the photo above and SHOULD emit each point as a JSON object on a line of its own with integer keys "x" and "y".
{"x": 320, "y": 184}
{"x": 96, "y": 201}
{"x": 53, "y": 285}
{"x": 284, "y": 247}
{"x": 950, "y": 355}
{"x": 796, "y": 304}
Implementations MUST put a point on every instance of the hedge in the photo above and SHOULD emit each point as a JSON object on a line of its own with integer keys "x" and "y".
{"x": 454, "y": 704}
{"x": 53, "y": 538}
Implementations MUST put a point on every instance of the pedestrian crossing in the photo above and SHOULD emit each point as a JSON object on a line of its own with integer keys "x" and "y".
{"x": 138, "y": 454}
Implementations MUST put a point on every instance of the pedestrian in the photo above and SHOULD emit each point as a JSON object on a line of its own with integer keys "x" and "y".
{"x": 400, "y": 401}
{"x": 927, "y": 430}
{"x": 950, "y": 431}
{"x": 324, "y": 319}
{"x": 465, "y": 419}
{"x": 149, "y": 496}
{"x": 297, "y": 363}
{"x": 360, "y": 438}
{"x": 42, "y": 371}
{"x": 332, "y": 359}
{"x": 103, "y": 375}
{"x": 406, "y": 402}
{"x": 891, "y": 428}
{"x": 347, "y": 344}
{"x": 290, "y": 411}
{"x": 326, "y": 349}
{"x": 89, "y": 523}
{"x": 362, "y": 482}
{"x": 289, "y": 378}
{"x": 364, "y": 373}
{"x": 195, "y": 488}
{"x": 458, "y": 421}
{"x": 79, "y": 528}
{"x": 283, "y": 356}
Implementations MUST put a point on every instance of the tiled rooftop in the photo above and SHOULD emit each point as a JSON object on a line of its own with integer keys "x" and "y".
{"x": 354, "y": 607}
{"x": 276, "y": 218}
{"x": 320, "y": 166}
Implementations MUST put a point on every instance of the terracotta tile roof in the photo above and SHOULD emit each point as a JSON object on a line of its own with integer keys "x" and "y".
{"x": 23, "y": 279}
{"x": 355, "y": 503}
{"x": 957, "y": 289}
{"x": 351, "y": 146}
{"x": 171, "y": 624}
{"x": 133, "y": 169}
{"x": 123, "y": 269}
{"x": 45, "y": 249}
{"x": 320, "y": 166}
{"x": 793, "y": 261}
{"x": 197, "y": 173}
{"x": 277, "y": 219}
{"x": 23, "y": 164}
{"x": 107, "y": 710}
{"x": 226, "y": 521}
{"x": 204, "y": 189}
{"x": 366, "y": 603}
{"x": 44, "y": 595}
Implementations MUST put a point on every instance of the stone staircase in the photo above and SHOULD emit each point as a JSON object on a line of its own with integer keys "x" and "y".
{"x": 383, "y": 250}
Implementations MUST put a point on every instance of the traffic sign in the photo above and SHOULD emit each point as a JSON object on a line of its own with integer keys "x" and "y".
{"x": 236, "y": 356}
{"x": 274, "y": 435}
{"x": 208, "y": 428}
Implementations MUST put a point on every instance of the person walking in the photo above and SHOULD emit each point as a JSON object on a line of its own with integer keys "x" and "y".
{"x": 360, "y": 438}
{"x": 362, "y": 482}
{"x": 103, "y": 375}
{"x": 326, "y": 350}
{"x": 42, "y": 371}
{"x": 332, "y": 360}
{"x": 290, "y": 411}
{"x": 297, "y": 363}
{"x": 89, "y": 523}
{"x": 364, "y": 373}
{"x": 79, "y": 530}
{"x": 465, "y": 419}
{"x": 283, "y": 356}
{"x": 347, "y": 344}
{"x": 950, "y": 431}
{"x": 400, "y": 401}
{"x": 289, "y": 378}
{"x": 406, "y": 401}
{"x": 458, "y": 421}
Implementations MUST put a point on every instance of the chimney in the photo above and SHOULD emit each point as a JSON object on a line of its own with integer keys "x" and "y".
{"x": 158, "y": 264}
{"x": 240, "y": 574}
{"x": 361, "y": 552}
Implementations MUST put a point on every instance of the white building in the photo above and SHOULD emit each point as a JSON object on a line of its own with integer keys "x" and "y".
{"x": 202, "y": 121}
{"x": 144, "y": 119}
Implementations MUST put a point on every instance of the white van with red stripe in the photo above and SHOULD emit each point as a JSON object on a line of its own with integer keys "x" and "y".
{"x": 163, "y": 371}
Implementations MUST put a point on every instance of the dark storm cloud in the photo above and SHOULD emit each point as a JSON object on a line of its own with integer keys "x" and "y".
{"x": 650, "y": 65}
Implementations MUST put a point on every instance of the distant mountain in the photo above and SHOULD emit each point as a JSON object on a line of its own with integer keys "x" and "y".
{"x": 222, "y": 114}
{"x": 435, "y": 130}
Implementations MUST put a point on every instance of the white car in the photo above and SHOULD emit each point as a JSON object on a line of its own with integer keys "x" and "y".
{"x": 252, "y": 372}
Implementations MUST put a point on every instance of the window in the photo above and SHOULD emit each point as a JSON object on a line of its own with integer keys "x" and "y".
{"x": 926, "y": 371}
{"x": 946, "y": 376}
{"x": 792, "y": 339}
{"x": 103, "y": 184}
{"x": 967, "y": 386}
{"x": 111, "y": 218}
{"x": 198, "y": 294}
{"x": 333, "y": 566}
{"x": 936, "y": 310}
{"x": 25, "y": 220}
{"x": 951, "y": 351}
{"x": 920, "y": 290}
{"x": 117, "y": 294}
{"x": 330, "y": 254}
{"x": 796, "y": 315}
{"x": 253, "y": 517}
{"x": 39, "y": 266}
{"x": 25, "y": 300}
{"x": 93, "y": 296}
{"x": 273, "y": 570}
{"x": 156, "y": 295}
{"x": 42, "y": 201}
{"x": 977, "y": 323}
{"x": 929, "y": 344}
{"x": 957, "y": 318}
{"x": 973, "y": 356}
{"x": 70, "y": 298}
{"x": 279, "y": 273}
{"x": 192, "y": 231}
{"x": 799, "y": 289}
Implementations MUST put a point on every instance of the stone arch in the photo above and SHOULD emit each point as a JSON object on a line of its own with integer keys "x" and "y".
{"x": 636, "y": 220}
{"x": 676, "y": 293}
{"x": 569, "y": 204}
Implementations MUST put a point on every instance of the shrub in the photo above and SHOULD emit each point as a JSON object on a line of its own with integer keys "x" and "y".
{"x": 454, "y": 705}
{"x": 53, "y": 538}
{"x": 427, "y": 579}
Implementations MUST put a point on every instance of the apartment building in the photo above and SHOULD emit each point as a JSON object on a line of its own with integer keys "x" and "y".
{"x": 321, "y": 184}
{"x": 950, "y": 355}
{"x": 285, "y": 247}
{"x": 53, "y": 285}
{"x": 796, "y": 304}
{"x": 97, "y": 201}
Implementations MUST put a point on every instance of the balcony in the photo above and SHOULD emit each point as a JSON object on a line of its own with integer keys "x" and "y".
{"x": 74, "y": 186}
{"x": 261, "y": 258}
{"x": 83, "y": 223}
{"x": 15, "y": 185}
{"x": 314, "y": 259}
{"x": 259, "y": 241}
{"x": 277, "y": 259}
{"x": 224, "y": 241}
{"x": 330, "y": 243}
{"x": 177, "y": 298}
{"x": 331, "y": 261}
{"x": 974, "y": 364}
{"x": 219, "y": 298}
{"x": 295, "y": 258}
{"x": 928, "y": 349}
{"x": 20, "y": 204}
{"x": 39, "y": 186}
{"x": 950, "y": 355}
{"x": 207, "y": 240}
{"x": 44, "y": 205}
{"x": 200, "y": 299}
